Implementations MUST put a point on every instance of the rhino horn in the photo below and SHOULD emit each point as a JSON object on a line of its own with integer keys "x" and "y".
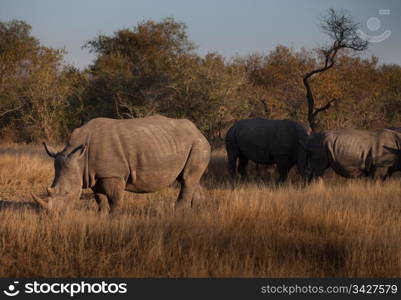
{"x": 49, "y": 191}
{"x": 50, "y": 151}
{"x": 42, "y": 203}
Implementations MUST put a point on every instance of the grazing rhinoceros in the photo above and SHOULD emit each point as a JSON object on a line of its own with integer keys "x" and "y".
{"x": 352, "y": 153}
{"x": 265, "y": 142}
{"x": 137, "y": 155}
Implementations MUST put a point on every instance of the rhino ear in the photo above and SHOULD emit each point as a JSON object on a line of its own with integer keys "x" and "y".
{"x": 50, "y": 151}
{"x": 78, "y": 152}
{"x": 393, "y": 150}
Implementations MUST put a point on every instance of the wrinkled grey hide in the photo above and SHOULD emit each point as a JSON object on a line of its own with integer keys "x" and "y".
{"x": 265, "y": 142}
{"x": 137, "y": 155}
{"x": 353, "y": 153}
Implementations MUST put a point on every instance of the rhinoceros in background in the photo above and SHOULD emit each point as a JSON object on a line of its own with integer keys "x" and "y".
{"x": 352, "y": 153}
{"x": 136, "y": 155}
{"x": 264, "y": 142}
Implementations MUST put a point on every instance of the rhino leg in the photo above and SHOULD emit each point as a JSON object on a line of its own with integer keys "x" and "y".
{"x": 199, "y": 195}
{"x": 380, "y": 173}
{"x": 190, "y": 177}
{"x": 101, "y": 200}
{"x": 186, "y": 195}
{"x": 391, "y": 171}
{"x": 232, "y": 162}
{"x": 283, "y": 165}
{"x": 112, "y": 189}
{"x": 242, "y": 164}
{"x": 283, "y": 171}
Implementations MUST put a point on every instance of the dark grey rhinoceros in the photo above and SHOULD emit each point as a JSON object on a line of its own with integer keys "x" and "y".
{"x": 265, "y": 142}
{"x": 137, "y": 155}
{"x": 353, "y": 153}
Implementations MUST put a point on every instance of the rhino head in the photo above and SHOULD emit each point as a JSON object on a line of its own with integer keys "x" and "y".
{"x": 67, "y": 182}
{"x": 396, "y": 152}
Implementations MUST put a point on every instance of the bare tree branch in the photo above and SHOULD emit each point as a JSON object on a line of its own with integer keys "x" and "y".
{"x": 325, "y": 107}
{"x": 343, "y": 31}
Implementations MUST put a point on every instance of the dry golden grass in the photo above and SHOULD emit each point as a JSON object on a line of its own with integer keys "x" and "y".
{"x": 340, "y": 228}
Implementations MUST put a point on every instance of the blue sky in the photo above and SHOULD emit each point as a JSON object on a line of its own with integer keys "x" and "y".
{"x": 229, "y": 27}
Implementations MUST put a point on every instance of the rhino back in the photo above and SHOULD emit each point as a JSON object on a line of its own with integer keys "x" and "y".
{"x": 262, "y": 140}
{"x": 149, "y": 152}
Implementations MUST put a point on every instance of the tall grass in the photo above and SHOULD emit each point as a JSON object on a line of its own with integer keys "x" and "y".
{"x": 340, "y": 228}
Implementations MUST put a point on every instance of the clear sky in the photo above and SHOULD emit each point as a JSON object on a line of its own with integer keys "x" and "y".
{"x": 229, "y": 27}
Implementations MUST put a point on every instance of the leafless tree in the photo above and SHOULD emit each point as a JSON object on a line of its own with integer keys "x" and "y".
{"x": 342, "y": 30}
